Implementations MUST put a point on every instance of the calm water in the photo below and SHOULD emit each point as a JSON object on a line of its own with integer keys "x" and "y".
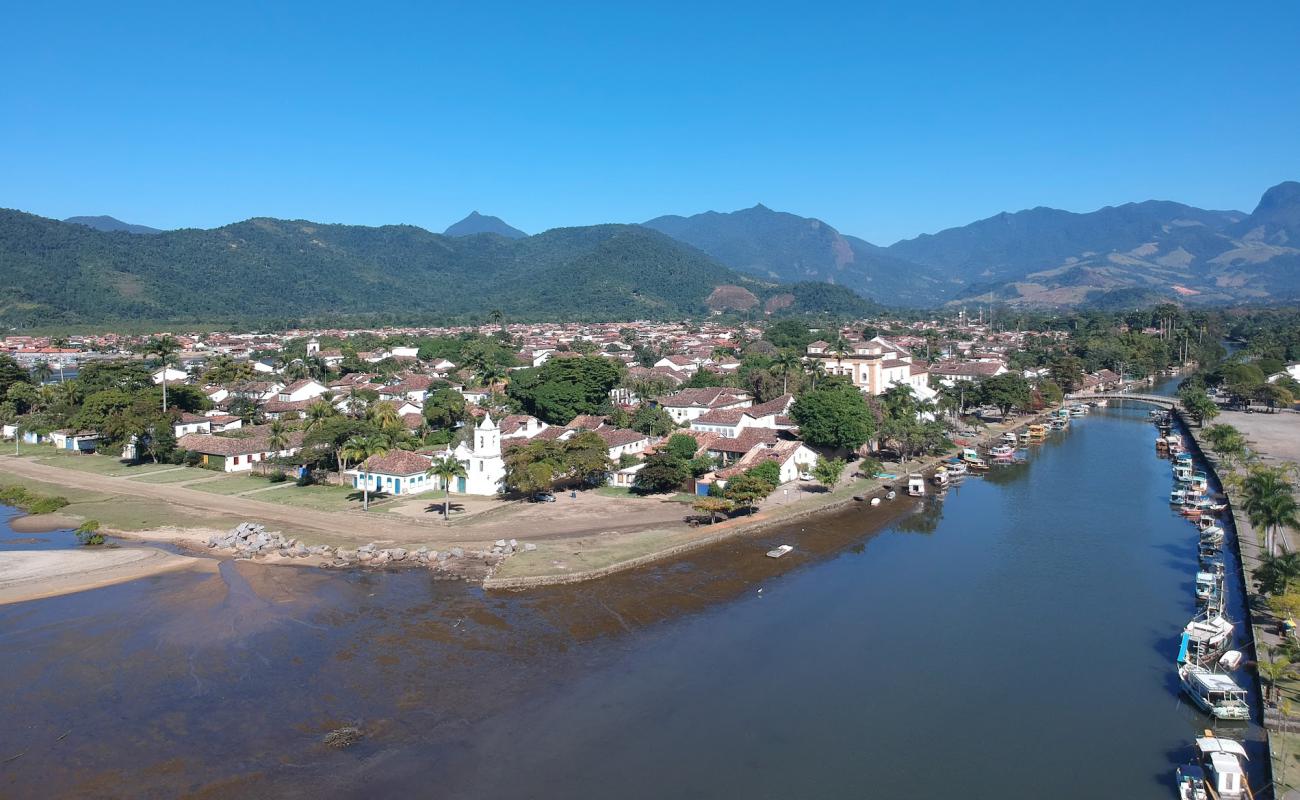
{"x": 1015, "y": 640}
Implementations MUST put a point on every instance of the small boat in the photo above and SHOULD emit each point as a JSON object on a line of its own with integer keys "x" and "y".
{"x": 916, "y": 484}
{"x": 1002, "y": 451}
{"x": 1100, "y": 402}
{"x": 1223, "y": 761}
{"x": 940, "y": 477}
{"x": 1190, "y": 779}
{"x": 1209, "y": 585}
{"x": 956, "y": 468}
{"x": 875, "y": 501}
{"x": 891, "y": 494}
{"x": 1212, "y": 535}
{"x": 779, "y": 551}
{"x": 1230, "y": 660}
{"x": 1214, "y": 693}
{"x": 1080, "y": 410}
{"x": 887, "y": 476}
{"x": 1206, "y": 522}
{"x": 1037, "y": 433}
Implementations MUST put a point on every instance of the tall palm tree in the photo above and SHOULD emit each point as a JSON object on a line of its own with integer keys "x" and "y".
{"x": 498, "y": 318}
{"x": 1270, "y": 504}
{"x": 787, "y": 363}
{"x": 385, "y": 416}
{"x": 1273, "y": 670}
{"x": 816, "y": 371}
{"x": 278, "y": 437}
{"x": 445, "y": 468}
{"x": 1276, "y": 573}
{"x": 41, "y": 371}
{"x": 360, "y": 449}
{"x": 165, "y": 347}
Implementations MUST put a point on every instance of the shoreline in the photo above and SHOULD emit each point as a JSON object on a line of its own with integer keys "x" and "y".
{"x": 833, "y": 501}
{"x": 37, "y": 574}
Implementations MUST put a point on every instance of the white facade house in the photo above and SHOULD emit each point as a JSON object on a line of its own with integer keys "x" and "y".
{"x": 305, "y": 389}
{"x": 485, "y": 469}
{"x": 690, "y": 404}
{"x": 397, "y": 473}
{"x": 191, "y": 423}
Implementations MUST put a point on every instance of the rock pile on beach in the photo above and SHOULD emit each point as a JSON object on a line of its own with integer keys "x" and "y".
{"x": 249, "y": 540}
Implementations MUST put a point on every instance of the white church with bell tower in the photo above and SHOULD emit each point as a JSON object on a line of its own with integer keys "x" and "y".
{"x": 485, "y": 469}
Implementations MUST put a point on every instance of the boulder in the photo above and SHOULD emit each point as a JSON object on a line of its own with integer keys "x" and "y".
{"x": 457, "y": 552}
{"x": 529, "y": 546}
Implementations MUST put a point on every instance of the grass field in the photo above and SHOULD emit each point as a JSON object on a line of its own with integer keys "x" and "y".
{"x": 318, "y": 497}
{"x": 176, "y": 475}
{"x": 231, "y": 484}
{"x": 120, "y": 512}
{"x": 100, "y": 465}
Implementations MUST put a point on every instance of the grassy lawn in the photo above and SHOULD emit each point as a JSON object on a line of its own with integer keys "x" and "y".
{"x": 122, "y": 513}
{"x": 100, "y": 465}
{"x": 622, "y": 492}
{"x": 317, "y": 497}
{"x": 594, "y": 553}
{"x": 176, "y": 475}
{"x": 230, "y": 484}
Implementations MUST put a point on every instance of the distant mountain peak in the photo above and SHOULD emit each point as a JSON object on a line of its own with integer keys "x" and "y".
{"x": 476, "y": 223}
{"x": 1284, "y": 196}
{"x": 104, "y": 222}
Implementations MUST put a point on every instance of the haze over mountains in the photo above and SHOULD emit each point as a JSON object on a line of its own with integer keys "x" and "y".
{"x": 95, "y": 269}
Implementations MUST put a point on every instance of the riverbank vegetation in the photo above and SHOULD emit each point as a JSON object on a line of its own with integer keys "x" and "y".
{"x": 30, "y": 501}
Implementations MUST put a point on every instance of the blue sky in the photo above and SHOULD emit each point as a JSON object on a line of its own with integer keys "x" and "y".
{"x": 885, "y": 120}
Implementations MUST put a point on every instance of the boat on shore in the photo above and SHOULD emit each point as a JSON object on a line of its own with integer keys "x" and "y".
{"x": 916, "y": 485}
{"x": 940, "y": 477}
{"x": 777, "y": 552}
{"x": 1215, "y": 693}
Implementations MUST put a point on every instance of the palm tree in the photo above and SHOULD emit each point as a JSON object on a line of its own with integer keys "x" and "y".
{"x": 491, "y": 373}
{"x": 1273, "y": 670}
{"x": 278, "y": 438}
{"x": 816, "y": 373}
{"x": 497, "y": 317}
{"x": 787, "y": 363}
{"x": 318, "y": 412}
{"x": 1276, "y": 573}
{"x": 360, "y": 449}
{"x": 165, "y": 347}
{"x": 385, "y": 416}
{"x": 445, "y": 468}
{"x": 840, "y": 348}
{"x": 41, "y": 371}
{"x": 1270, "y": 504}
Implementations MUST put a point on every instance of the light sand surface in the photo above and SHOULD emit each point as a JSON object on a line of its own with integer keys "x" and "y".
{"x": 43, "y": 523}
{"x": 32, "y": 574}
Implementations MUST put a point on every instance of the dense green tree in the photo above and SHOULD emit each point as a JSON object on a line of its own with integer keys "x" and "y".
{"x": 746, "y": 490}
{"x": 681, "y": 446}
{"x": 563, "y": 388}
{"x": 1006, "y": 391}
{"x": 662, "y": 473}
{"x": 827, "y": 471}
{"x": 652, "y": 420}
{"x": 834, "y": 416}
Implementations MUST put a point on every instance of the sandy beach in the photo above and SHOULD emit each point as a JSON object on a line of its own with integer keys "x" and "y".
{"x": 30, "y": 575}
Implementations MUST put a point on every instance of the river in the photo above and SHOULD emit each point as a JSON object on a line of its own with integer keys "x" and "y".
{"x": 1015, "y": 639}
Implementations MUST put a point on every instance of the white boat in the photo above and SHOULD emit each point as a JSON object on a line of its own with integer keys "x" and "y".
{"x": 875, "y": 501}
{"x": 1209, "y": 586}
{"x": 1212, "y": 535}
{"x": 955, "y": 468}
{"x": 1215, "y": 693}
{"x": 1224, "y": 764}
{"x": 1190, "y": 779}
{"x": 1009, "y": 438}
{"x": 916, "y": 484}
{"x": 940, "y": 478}
{"x": 1205, "y": 638}
{"x": 891, "y": 494}
{"x": 1002, "y": 451}
{"x": 780, "y": 551}
{"x": 1230, "y": 660}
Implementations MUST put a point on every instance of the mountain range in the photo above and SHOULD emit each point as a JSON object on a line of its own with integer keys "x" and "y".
{"x": 55, "y": 272}
{"x": 96, "y": 269}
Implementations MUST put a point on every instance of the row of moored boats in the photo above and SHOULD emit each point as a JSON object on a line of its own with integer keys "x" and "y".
{"x": 1206, "y": 659}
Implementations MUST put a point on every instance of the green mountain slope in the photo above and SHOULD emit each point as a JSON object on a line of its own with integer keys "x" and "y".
{"x": 268, "y": 269}
{"x": 107, "y": 223}
{"x": 477, "y": 223}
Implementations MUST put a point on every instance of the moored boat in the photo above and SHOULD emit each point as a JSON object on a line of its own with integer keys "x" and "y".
{"x": 1205, "y": 639}
{"x": 1190, "y": 779}
{"x": 1215, "y": 693}
{"x": 916, "y": 484}
{"x": 1224, "y": 763}
{"x": 779, "y": 551}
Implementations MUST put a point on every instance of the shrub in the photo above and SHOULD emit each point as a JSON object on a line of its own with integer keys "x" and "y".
{"x": 88, "y": 532}
{"x": 277, "y": 477}
{"x": 307, "y": 478}
{"x": 46, "y": 505}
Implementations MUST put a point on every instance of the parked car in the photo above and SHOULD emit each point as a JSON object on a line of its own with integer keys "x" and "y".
{"x": 543, "y": 497}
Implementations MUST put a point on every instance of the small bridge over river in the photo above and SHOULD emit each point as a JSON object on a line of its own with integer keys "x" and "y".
{"x": 1170, "y": 403}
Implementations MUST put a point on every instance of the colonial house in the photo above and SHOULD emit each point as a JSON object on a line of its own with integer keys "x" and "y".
{"x": 398, "y": 472}
{"x": 690, "y": 404}
{"x": 305, "y": 389}
{"x": 414, "y": 387}
{"x": 625, "y": 477}
{"x": 874, "y": 366}
{"x": 238, "y": 454}
{"x": 730, "y": 422}
{"x": 224, "y": 422}
{"x": 521, "y": 426}
{"x": 792, "y": 456}
{"x": 684, "y": 364}
{"x": 622, "y": 441}
{"x": 192, "y": 423}
{"x": 950, "y": 373}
